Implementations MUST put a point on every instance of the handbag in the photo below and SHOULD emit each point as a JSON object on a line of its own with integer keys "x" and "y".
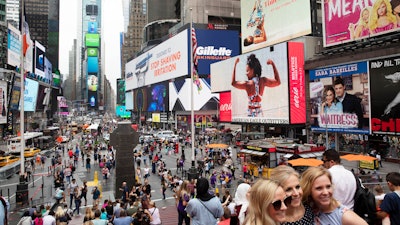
{"x": 208, "y": 209}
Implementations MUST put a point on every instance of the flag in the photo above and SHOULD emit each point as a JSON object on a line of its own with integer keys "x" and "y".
{"x": 26, "y": 37}
{"x": 196, "y": 79}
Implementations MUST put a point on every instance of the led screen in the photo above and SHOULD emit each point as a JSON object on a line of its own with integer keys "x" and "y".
{"x": 39, "y": 59}
{"x": 92, "y": 65}
{"x": 92, "y": 40}
{"x": 30, "y": 95}
{"x": 158, "y": 98}
{"x": 92, "y": 82}
{"x": 92, "y": 52}
{"x": 92, "y": 27}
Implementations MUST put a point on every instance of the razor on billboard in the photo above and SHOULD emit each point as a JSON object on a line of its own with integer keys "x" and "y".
{"x": 166, "y": 61}
{"x": 265, "y": 22}
{"x": 385, "y": 95}
{"x": 340, "y": 99}
{"x": 345, "y": 20}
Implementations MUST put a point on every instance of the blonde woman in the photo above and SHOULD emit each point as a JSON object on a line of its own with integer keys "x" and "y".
{"x": 382, "y": 18}
{"x": 361, "y": 28}
{"x": 182, "y": 198}
{"x": 267, "y": 204}
{"x": 316, "y": 183}
{"x": 289, "y": 180}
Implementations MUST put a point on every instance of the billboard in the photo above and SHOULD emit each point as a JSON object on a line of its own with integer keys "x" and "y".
{"x": 121, "y": 111}
{"x": 15, "y": 94}
{"x": 92, "y": 82}
{"x": 92, "y": 40}
{"x": 180, "y": 97}
{"x": 92, "y": 27}
{"x": 3, "y": 102}
{"x": 92, "y": 65}
{"x": 158, "y": 98}
{"x": 48, "y": 71}
{"x": 92, "y": 98}
{"x": 120, "y": 92}
{"x": 214, "y": 46}
{"x": 30, "y": 95}
{"x": 345, "y": 21}
{"x": 339, "y": 99}
{"x": 129, "y": 100}
{"x": 266, "y": 23}
{"x": 62, "y": 106}
{"x": 273, "y": 86}
{"x": 40, "y": 98}
{"x": 166, "y": 61}
{"x": 39, "y": 59}
{"x": 140, "y": 99}
{"x": 13, "y": 46}
{"x": 385, "y": 95}
{"x": 225, "y": 107}
{"x": 92, "y": 52}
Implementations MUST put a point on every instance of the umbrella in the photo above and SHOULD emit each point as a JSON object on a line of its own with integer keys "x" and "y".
{"x": 217, "y": 145}
{"x": 305, "y": 162}
{"x": 356, "y": 157}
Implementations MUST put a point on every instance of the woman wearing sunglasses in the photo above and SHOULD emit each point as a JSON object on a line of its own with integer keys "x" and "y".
{"x": 267, "y": 203}
{"x": 316, "y": 183}
{"x": 289, "y": 180}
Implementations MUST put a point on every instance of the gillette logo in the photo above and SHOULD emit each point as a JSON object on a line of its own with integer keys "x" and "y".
{"x": 209, "y": 52}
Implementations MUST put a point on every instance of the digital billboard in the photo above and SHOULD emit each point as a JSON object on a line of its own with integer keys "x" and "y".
{"x": 129, "y": 100}
{"x": 345, "y": 21}
{"x": 166, "y": 61}
{"x": 15, "y": 94}
{"x": 140, "y": 99}
{"x": 92, "y": 65}
{"x": 92, "y": 40}
{"x": 92, "y": 52}
{"x": 225, "y": 107}
{"x": 271, "y": 80}
{"x": 92, "y": 98}
{"x": 158, "y": 98}
{"x": 39, "y": 59}
{"x": 62, "y": 106}
{"x": 40, "y": 98}
{"x": 266, "y": 23}
{"x": 92, "y": 82}
{"x": 48, "y": 71}
{"x": 214, "y": 46}
{"x": 3, "y": 102}
{"x": 92, "y": 27}
{"x": 385, "y": 95}
{"x": 180, "y": 97}
{"x": 122, "y": 112}
{"x": 30, "y": 95}
{"x": 339, "y": 98}
{"x": 13, "y": 46}
{"x": 120, "y": 92}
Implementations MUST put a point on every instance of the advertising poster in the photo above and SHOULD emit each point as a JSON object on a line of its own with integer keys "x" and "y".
{"x": 15, "y": 94}
{"x": 265, "y": 23}
{"x": 259, "y": 85}
{"x": 120, "y": 92}
{"x": 166, "y": 61}
{"x": 225, "y": 107}
{"x": 39, "y": 59}
{"x": 92, "y": 52}
{"x": 214, "y": 46}
{"x": 30, "y": 95}
{"x": 92, "y": 98}
{"x": 158, "y": 98}
{"x": 48, "y": 71}
{"x": 3, "y": 102}
{"x": 339, "y": 99}
{"x": 13, "y": 46}
{"x": 345, "y": 21}
{"x": 180, "y": 95}
{"x": 140, "y": 99}
{"x": 122, "y": 112}
{"x": 129, "y": 100}
{"x": 92, "y": 65}
{"x": 92, "y": 40}
{"x": 40, "y": 98}
{"x": 92, "y": 27}
{"x": 385, "y": 95}
{"x": 62, "y": 106}
{"x": 92, "y": 82}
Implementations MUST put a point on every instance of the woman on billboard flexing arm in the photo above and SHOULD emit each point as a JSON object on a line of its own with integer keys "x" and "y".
{"x": 255, "y": 84}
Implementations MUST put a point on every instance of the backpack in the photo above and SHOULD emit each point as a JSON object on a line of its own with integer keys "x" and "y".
{"x": 364, "y": 203}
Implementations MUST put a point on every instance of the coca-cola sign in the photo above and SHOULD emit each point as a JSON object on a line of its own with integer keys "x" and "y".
{"x": 225, "y": 107}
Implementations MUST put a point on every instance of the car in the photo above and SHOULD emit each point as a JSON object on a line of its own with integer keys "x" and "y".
{"x": 7, "y": 160}
{"x": 30, "y": 152}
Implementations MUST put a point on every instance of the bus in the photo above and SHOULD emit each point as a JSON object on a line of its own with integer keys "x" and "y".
{"x": 52, "y": 131}
{"x": 14, "y": 144}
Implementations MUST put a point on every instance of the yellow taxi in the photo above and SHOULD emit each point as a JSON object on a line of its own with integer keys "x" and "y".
{"x": 30, "y": 152}
{"x": 7, "y": 160}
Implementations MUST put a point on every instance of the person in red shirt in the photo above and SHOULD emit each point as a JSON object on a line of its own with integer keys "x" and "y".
{"x": 226, "y": 218}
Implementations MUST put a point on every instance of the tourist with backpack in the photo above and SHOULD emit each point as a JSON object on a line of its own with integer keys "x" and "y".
{"x": 343, "y": 179}
{"x": 390, "y": 205}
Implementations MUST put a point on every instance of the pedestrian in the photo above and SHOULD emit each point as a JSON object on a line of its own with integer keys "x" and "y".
{"x": 164, "y": 186}
{"x": 125, "y": 192}
{"x": 390, "y": 205}
{"x": 84, "y": 190}
{"x": 71, "y": 191}
{"x": 87, "y": 163}
{"x": 26, "y": 219}
{"x": 4, "y": 210}
{"x": 123, "y": 219}
{"x": 182, "y": 198}
{"x": 96, "y": 196}
{"x": 379, "y": 158}
{"x": 155, "y": 214}
{"x": 105, "y": 173}
{"x": 77, "y": 199}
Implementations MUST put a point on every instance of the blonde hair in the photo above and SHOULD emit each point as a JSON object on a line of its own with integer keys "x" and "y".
{"x": 59, "y": 212}
{"x": 261, "y": 195}
{"x": 307, "y": 181}
{"x": 281, "y": 173}
{"x": 374, "y": 14}
{"x": 361, "y": 22}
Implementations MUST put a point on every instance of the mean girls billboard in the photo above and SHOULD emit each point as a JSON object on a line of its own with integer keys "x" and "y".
{"x": 339, "y": 98}
{"x": 348, "y": 20}
{"x": 385, "y": 95}
{"x": 270, "y": 81}
{"x": 265, "y": 22}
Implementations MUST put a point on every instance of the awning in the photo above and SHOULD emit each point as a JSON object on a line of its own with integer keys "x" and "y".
{"x": 248, "y": 151}
{"x": 311, "y": 155}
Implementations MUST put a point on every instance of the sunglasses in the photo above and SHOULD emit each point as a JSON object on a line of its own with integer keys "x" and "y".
{"x": 278, "y": 204}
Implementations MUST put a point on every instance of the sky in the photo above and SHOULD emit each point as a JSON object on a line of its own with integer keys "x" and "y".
{"x": 112, "y": 25}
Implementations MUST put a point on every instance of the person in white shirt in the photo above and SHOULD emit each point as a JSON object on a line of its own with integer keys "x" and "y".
{"x": 49, "y": 219}
{"x": 155, "y": 214}
{"x": 343, "y": 180}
